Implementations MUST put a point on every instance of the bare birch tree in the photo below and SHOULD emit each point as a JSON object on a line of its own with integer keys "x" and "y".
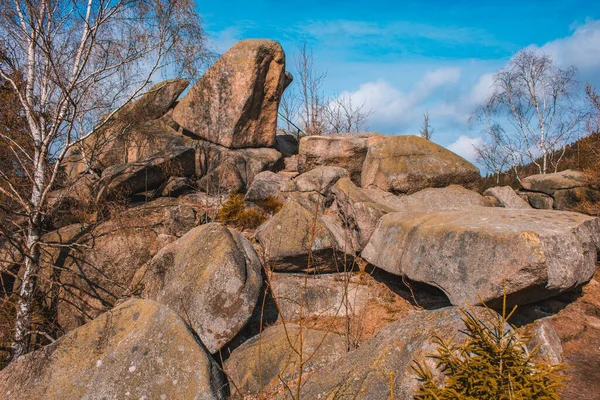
{"x": 533, "y": 112}
{"x": 306, "y": 106}
{"x": 80, "y": 62}
{"x": 426, "y": 131}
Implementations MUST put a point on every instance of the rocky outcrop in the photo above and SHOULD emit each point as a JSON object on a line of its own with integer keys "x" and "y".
{"x": 364, "y": 374}
{"x": 266, "y": 360}
{"x": 235, "y": 103}
{"x": 175, "y": 186}
{"x": 211, "y": 276}
{"x": 138, "y": 350}
{"x": 133, "y": 133}
{"x": 345, "y": 151}
{"x": 318, "y": 180}
{"x": 123, "y": 180}
{"x": 294, "y": 233}
{"x": 471, "y": 255}
{"x": 549, "y": 183}
{"x": 407, "y": 164}
{"x": 507, "y": 197}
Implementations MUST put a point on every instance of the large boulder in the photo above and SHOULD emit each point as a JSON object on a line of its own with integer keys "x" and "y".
{"x": 364, "y": 374}
{"x": 475, "y": 255}
{"x": 507, "y": 197}
{"x": 576, "y": 199}
{"x": 235, "y": 103}
{"x": 211, "y": 276}
{"x": 133, "y": 133}
{"x": 538, "y": 200}
{"x": 407, "y": 164}
{"x": 286, "y": 143}
{"x": 139, "y": 350}
{"x": 263, "y": 362}
{"x": 549, "y": 183}
{"x": 294, "y": 236}
{"x": 346, "y": 151}
{"x": 265, "y": 184}
{"x": 123, "y": 180}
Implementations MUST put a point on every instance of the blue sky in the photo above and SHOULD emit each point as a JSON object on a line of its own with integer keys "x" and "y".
{"x": 404, "y": 58}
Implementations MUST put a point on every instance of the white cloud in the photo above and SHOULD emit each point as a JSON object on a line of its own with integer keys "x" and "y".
{"x": 392, "y": 109}
{"x": 580, "y": 49}
{"x": 465, "y": 147}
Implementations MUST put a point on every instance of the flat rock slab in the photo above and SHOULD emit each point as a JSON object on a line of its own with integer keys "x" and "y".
{"x": 137, "y": 350}
{"x": 507, "y": 197}
{"x": 549, "y": 183}
{"x": 470, "y": 254}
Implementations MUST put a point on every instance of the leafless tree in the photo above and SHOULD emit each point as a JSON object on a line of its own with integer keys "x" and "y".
{"x": 342, "y": 115}
{"x": 426, "y": 130}
{"x": 533, "y": 112}
{"x": 80, "y": 62}
{"x": 306, "y": 106}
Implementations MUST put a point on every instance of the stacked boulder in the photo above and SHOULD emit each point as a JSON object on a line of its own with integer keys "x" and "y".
{"x": 220, "y": 135}
{"x": 563, "y": 190}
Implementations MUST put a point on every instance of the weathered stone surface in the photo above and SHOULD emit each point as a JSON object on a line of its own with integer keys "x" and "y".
{"x": 364, "y": 374}
{"x": 222, "y": 169}
{"x": 538, "y": 200}
{"x": 134, "y": 133}
{"x": 292, "y": 234}
{"x": 507, "y": 197}
{"x": 265, "y": 184}
{"x": 346, "y": 151}
{"x": 549, "y": 183}
{"x": 97, "y": 271}
{"x": 138, "y": 350}
{"x": 175, "y": 186}
{"x": 319, "y": 179}
{"x": 573, "y": 199}
{"x": 453, "y": 197}
{"x": 320, "y": 295}
{"x": 268, "y": 357}
{"x": 357, "y": 210}
{"x": 470, "y": 254}
{"x": 211, "y": 276}
{"x": 235, "y": 103}
{"x": 407, "y": 164}
{"x": 545, "y": 341}
{"x": 126, "y": 179}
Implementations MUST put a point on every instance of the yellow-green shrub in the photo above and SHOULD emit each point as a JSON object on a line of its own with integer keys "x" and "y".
{"x": 491, "y": 364}
{"x": 234, "y": 212}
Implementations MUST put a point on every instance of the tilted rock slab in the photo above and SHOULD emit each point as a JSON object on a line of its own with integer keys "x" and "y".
{"x": 235, "y": 103}
{"x": 133, "y": 133}
{"x": 507, "y": 197}
{"x": 470, "y": 254}
{"x": 139, "y": 350}
{"x": 407, "y": 164}
{"x": 265, "y": 184}
{"x": 364, "y": 374}
{"x": 126, "y": 179}
{"x": 211, "y": 276}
